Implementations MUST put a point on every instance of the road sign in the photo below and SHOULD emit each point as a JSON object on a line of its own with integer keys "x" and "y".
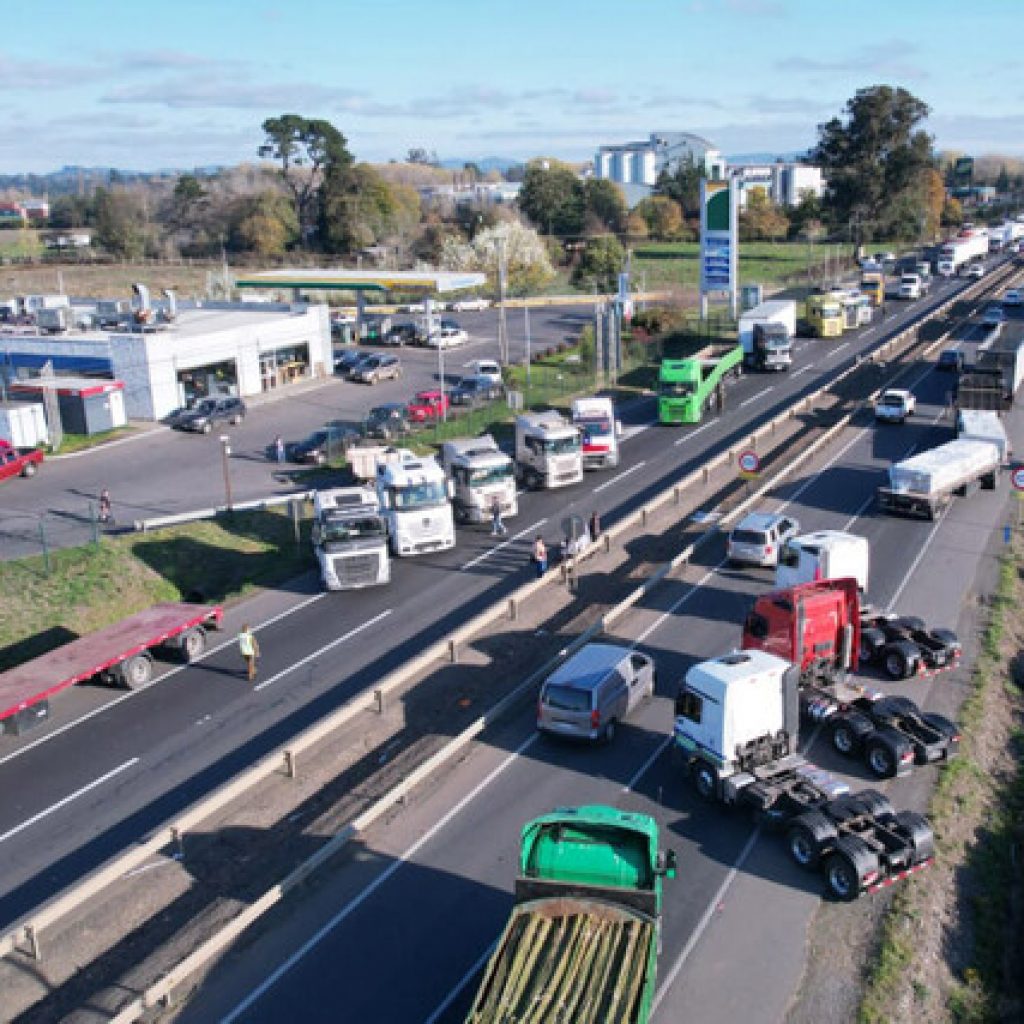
{"x": 750, "y": 463}
{"x": 1017, "y": 478}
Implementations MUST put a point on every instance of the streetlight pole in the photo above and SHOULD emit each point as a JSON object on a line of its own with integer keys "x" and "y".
{"x": 225, "y": 451}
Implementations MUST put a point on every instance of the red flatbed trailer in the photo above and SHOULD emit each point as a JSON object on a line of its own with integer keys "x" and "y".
{"x": 120, "y": 653}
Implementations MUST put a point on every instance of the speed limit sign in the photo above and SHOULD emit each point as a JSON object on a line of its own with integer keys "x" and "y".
{"x": 749, "y": 462}
{"x": 1017, "y": 478}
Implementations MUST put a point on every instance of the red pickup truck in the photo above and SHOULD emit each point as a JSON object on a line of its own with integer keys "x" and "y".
{"x": 18, "y": 461}
{"x": 427, "y": 406}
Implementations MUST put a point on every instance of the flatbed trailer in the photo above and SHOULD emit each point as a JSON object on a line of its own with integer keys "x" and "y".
{"x": 120, "y": 654}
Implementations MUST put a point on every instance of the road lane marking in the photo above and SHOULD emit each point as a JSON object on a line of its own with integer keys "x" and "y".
{"x": 760, "y": 394}
{"x": 642, "y": 770}
{"x": 68, "y": 799}
{"x": 616, "y": 479}
{"x": 920, "y": 555}
{"x": 357, "y": 901}
{"x": 803, "y": 369}
{"x": 503, "y": 544}
{"x": 693, "y": 433}
{"x": 839, "y": 348}
{"x": 323, "y": 650}
{"x": 167, "y": 675}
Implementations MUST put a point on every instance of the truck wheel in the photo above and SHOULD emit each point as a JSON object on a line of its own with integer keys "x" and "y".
{"x": 896, "y": 665}
{"x": 844, "y": 738}
{"x": 876, "y": 804}
{"x": 919, "y": 834}
{"x": 192, "y": 643}
{"x": 848, "y": 866}
{"x": 135, "y": 671}
{"x": 29, "y": 469}
{"x": 940, "y": 723}
{"x": 808, "y": 837}
{"x": 881, "y": 757}
{"x": 871, "y": 643}
{"x": 910, "y": 622}
{"x": 532, "y": 480}
{"x": 705, "y": 780}
{"x": 988, "y": 482}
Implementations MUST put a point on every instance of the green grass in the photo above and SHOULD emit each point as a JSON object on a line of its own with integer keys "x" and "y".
{"x": 17, "y": 243}
{"x": 71, "y": 443}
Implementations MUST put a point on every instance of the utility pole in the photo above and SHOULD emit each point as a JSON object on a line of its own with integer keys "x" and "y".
{"x": 502, "y": 323}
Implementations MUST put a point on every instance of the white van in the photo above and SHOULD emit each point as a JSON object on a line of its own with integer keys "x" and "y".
{"x": 824, "y": 555}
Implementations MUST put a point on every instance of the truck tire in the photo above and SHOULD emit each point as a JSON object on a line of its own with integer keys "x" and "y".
{"x": 875, "y": 804}
{"x": 135, "y": 671}
{"x": 847, "y": 867}
{"x": 889, "y": 709}
{"x": 29, "y": 469}
{"x": 940, "y": 723}
{"x": 808, "y": 837}
{"x": 881, "y": 756}
{"x": 192, "y": 644}
{"x": 705, "y": 780}
{"x": 531, "y": 479}
{"x": 988, "y": 481}
{"x": 896, "y": 663}
{"x": 910, "y": 622}
{"x": 872, "y": 641}
{"x": 849, "y": 730}
{"x": 919, "y": 834}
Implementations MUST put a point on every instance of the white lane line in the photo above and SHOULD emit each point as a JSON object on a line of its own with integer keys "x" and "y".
{"x": 803, "y": 369}
{"x": 893, "y": 317}
{"x": 642, "y": 770}
{"x": 504, "y": 544}
{"x": 839, "y": 348}
{"x": 856, "y": 515}
{"x": 616, "y": 479}
{"x": 68, "y": 799}
{"x": 384, "y": 876}
{"x": 869, "y": 330}
{"x": 463, "y": 982}
{"x": 167, "y": 675}
{"x": 692, "y": 434}
{"x": 316, "y": 654}
{"x": 760, "y": 394}
{"x": 920, "y": 555}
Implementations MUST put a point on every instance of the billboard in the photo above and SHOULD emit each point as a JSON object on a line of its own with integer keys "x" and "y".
{"x": 718, "y": 242}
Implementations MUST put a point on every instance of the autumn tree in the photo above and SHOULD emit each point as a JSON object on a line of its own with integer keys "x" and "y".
{"x": 761, "y": 218}
{"x": 264, "y": 223}
{"x": 663, "y": 217}
{"x": 934, "y": 200}
{"x": 360, "y": 208}
{"x": 600, "y": 264}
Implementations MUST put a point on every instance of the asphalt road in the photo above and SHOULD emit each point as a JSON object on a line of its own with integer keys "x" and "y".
{"x": 72, "y": 801}
{"x": 400, "y": 935}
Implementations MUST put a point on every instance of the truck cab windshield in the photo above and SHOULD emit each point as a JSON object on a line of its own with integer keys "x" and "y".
{"x": 595, "y": 428}
{"x": 490, "y": 475}
{"x": 676, "y": 388}
{"x": 413, "y": 496}
{"x": 335, "y": 531}
{"x": 561, "y": 445}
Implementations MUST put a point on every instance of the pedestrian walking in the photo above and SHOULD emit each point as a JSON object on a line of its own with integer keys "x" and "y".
{"x": 540, "y": 556}
{"x": 105, "y": 516}
{"x": 279, "y": 448}
{"x": 497, "y": 526}
{"x": 594, "y": 527}
{"x": 249, "y": 649}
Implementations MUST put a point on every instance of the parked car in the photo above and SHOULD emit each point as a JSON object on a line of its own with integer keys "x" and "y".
{"x": 895, "y": 405}
{"x": 591, "y": 693}
{"x": 1014, "y": 297}
{"x": 489, "y": 368}
{"x": 202, "y": 418}
{"x": 314, "y": 449}
{"x": 447, "y": 337}
{"x": 380, "y": 366}
{"x": 18, "y": 461}
{"x": 427, "y": 406}
{"x": 346, "y": 363}
{"x": 974, "y": 270}
{"x": 470, "y": 305}
{"x": 758, "y": 536}
{"x": 951, "y": 360}
{"x": 388, "y": 421}
{"x": 401, "y": 334}
{"x": 993, "y": 315}
{"x": 474, "y": 390}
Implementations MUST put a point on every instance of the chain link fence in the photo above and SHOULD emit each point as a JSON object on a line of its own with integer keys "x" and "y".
{"x": 27, "y": 534}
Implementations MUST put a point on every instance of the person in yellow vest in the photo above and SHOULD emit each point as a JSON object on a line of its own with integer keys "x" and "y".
{"x": 250, "y": 650}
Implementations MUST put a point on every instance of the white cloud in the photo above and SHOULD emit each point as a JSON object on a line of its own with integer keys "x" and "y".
{"x": 888, "y": 60}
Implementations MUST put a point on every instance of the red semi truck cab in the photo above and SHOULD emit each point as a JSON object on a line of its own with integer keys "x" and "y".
{"x": 815, "y": 626}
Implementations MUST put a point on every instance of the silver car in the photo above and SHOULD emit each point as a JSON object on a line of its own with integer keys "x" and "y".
{"x": 756, "y": 539}
{"x": 587, "y": 696}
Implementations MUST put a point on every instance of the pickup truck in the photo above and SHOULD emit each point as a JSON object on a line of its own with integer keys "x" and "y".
{"x": 582, "y": 941}
{"x": 427, "y": 406}
{"x": 895, "y": 405}
{"x": 19, "y": 461}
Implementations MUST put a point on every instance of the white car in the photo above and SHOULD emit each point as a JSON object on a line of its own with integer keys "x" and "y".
{"x": 489, "y": 368}
{"x": 895, "y": 405}
{"x": 993, "y": 316}
{"x": 447, "y": 337}
{"x": 757, "y": 538}
{"x": 1014, "y": 297}
{"x": 470, "y": 305}
{"x": 975, "y": 270}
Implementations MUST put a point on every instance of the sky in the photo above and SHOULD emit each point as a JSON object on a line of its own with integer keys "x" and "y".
{"x": 184, "y": 84}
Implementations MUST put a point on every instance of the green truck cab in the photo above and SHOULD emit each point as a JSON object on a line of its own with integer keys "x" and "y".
{"x": 686, "y": 387}
{"x": 582, "y": 942}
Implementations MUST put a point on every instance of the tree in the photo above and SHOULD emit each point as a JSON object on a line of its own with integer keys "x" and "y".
{"x": 952, "y": 213}
{"x": 600, "y": 264}
{"x": 360, "y": 208}
{"x": 552, "y": 197}
{"x": 934, "y": 201}
{"x": 636, "y": 226}
{"x": 264, "y": 223}
{"x": 1003, "y": 180}
{"x": 70, "y": 212}
{"x": 807, "y": 211}
{"x": 873, "y": 158}
{"x": 605, "y": 203}
{"x": 189, "y": 202}
{"x": 761, "y": 218}
{"x": 682, "y": 184}
{"x": 121, "y": 223}
{"x": 309, "y": 150}
{"x": 527, "y": 264}
{"x": 663, "y": 217}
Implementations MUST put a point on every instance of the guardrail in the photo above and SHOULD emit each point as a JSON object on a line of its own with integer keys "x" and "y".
{"x": 254, "y": 505}
{"x": 27, "y": 934}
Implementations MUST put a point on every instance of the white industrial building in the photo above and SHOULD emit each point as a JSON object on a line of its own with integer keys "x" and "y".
{"x": 208, "y": 348}
{"x": 783, "y": 183}
{"x": 636, "y": 165}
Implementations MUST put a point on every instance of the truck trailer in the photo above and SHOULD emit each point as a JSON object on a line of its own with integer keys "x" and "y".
{"x": 549, "y": 451}
{"x": 120, "y": 655}
{"x": 582, "y": 941}
{"x": 350, "y": 538}
{"x": 688, "y": 387}
{"x": 984, "y": 425}
{"x": 924, "y": 484}
{"x": 956, "y": 254}
{"x": 480, "y": 473}
{"x": 766, "y": 333}
{"x": 736, "y": 730}
{"x": 995, "y": 376}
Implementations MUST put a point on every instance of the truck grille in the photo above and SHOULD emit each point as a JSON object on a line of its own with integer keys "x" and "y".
{"x": 357, "y": 570}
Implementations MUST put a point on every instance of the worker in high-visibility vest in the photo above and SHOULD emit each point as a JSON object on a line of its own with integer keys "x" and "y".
{"x": 249, "y": 649}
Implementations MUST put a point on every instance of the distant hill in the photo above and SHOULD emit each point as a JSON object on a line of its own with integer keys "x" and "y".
{"x": 70, "y": 178}
{"x": 793, "y": 156}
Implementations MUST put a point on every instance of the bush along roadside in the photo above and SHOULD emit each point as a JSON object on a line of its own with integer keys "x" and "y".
{"x": 950, "y": 946}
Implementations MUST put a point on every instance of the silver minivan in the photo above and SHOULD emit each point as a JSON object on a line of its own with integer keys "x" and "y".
{"x": 587, "y": 696}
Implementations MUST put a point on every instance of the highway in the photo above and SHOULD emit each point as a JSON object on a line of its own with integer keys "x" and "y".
{"x": 401, "y": 933}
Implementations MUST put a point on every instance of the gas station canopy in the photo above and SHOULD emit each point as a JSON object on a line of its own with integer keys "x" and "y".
{"x": 364, "y": 280}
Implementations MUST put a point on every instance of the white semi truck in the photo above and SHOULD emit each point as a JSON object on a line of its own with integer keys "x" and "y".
{"x": 595, "y": 417}
{"x": 480, "y": 472}
{"x": 414, "y": 498}
{"x": 766, "y": 333}
{"x": 823, "y": 555}
{"x": 958, "y": 253}
{"x": 548, "y": 451}
{"x": 350, "y": 538}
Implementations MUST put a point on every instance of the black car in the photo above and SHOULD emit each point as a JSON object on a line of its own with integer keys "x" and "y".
{"x": 401, "y": 334}
{"x": 951, "y": 360}
{"x": 204, "y": 416}
{"x": 387, "y": 421}
{"x": 346, "y": 364}
{"x": 474, "y": 390}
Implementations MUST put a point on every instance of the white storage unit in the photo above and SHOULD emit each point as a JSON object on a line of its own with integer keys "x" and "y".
{"x": 23, "y": 424}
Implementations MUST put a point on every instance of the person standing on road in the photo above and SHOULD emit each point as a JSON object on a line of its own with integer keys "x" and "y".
{"x": 540, "y": 556}
{"x": 249, "y": 649}
{"x": 497, "y": 526}
{"x": 594, "y": 526}
{"x": 104, "y": 507}
{"x": 279, "y": 448}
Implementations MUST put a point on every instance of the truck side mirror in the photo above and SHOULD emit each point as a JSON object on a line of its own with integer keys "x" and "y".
{"x": 666, "y": 863}
{"x": 618, "y": 428}
{"x": 385, "y": 500}
{"x": 449, "y": 488}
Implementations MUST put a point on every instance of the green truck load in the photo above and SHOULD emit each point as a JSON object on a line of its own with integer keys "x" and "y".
{"x": 582, "y": 942}
{"x": 686, "y": 387}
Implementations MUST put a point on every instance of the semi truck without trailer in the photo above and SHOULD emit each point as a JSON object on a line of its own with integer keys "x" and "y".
{"x": 120, "y": 654}
{"x": 825, "y": 317}
{"x": 549, "y": 452}
{"x": 480, "y": 472}
{"x": 600, "y": 430}
{"x": 688, "y": 387}
{"x": 583, "y": 939}
{"x": 736, "y": 730}
{"x": 924, "y": 484}
{"x": 350, "y": 538}
{"x": 823, "y": 555}
{"x": 766, "y": 333}
{"x": 995, "y": 377}
{"x": 414, "y": 499}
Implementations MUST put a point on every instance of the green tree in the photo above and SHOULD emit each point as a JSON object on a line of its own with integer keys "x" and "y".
{"x": 309, "y": 150}
{"x": 807, "y": 211}
{"x": 360, "y": 208}
{"x": 873, "y": 158}
{"x": 663, "y": 217}
{"x": 121, "y": 223}
{"x": 189, "y": 203}
{"x": 600, "y": 264}
{"x": 70, "y": 212}
{"x": 605, "y": 204}
{"x": 552, "y": 197}
{"x": 682, "y": 185}
{"x": 1003, "y": 180}
{"x": 264, "y": 223}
